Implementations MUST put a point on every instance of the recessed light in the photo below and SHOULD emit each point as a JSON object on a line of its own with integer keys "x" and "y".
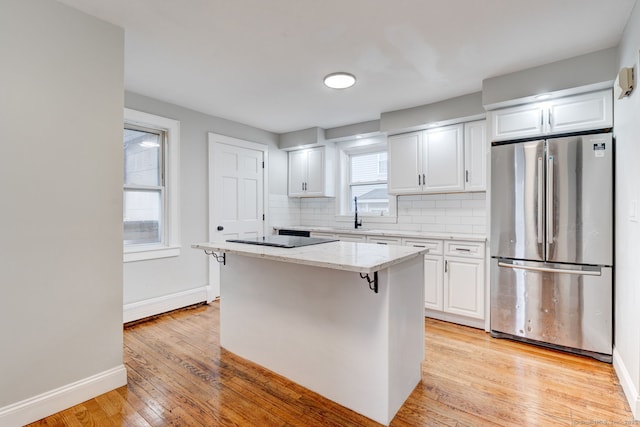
{"x": 339, "y": 80}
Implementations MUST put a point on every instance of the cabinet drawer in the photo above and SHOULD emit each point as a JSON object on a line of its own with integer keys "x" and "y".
{"x": 384, "y": 240}
{"x": 434, "y": 246}
{"x": 464, "y": 249}
{"x": 351, "y": 237}
{"x": 323, "y": 235}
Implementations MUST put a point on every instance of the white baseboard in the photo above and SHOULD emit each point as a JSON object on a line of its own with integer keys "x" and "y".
{"x": 154, "y": 306}
{"x": 45, "y": 404}
{"x": 629, "y": 388}
{"x": 454, "y": 318}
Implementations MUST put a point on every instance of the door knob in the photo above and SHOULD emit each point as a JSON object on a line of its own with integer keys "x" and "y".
{"x": 220, "y": 228}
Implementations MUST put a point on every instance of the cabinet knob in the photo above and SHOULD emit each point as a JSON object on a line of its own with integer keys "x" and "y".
{"x": 220, "y": 228}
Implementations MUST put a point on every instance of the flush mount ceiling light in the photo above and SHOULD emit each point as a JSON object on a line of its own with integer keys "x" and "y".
{"x": 339, "y": 80}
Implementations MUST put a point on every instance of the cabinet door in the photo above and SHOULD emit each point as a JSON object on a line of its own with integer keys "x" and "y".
{"x": 297, "y": 172}
{"x": 517, "y": 122}
{"x": 475, "y": 156}
{"x": 433, "y": 282}
{"x": 443, "y": 160}
{"x": 464, "y": 286}
{"x": 315, "y": 172}
{"x": 404, "y": 163}
{"x": 581, "y": 112}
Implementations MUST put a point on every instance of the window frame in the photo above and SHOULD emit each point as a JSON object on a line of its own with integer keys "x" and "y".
{"x": 343, "y": 207}
{"x": 170, "y": 222}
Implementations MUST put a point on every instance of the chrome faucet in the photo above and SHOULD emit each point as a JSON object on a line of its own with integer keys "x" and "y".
{"x": 358, "y": 223}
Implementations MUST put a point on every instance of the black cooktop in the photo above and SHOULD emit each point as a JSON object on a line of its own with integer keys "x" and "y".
{"x": 283, "y": 241}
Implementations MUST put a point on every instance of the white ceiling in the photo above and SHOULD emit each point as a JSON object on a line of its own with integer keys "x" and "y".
{"x": 261, "y": 62}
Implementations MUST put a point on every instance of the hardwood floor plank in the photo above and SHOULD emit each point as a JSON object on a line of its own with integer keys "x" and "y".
{"x": 178, "y": 375}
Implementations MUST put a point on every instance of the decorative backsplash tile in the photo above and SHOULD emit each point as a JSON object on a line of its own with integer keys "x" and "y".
{"x": 462, "y": 213}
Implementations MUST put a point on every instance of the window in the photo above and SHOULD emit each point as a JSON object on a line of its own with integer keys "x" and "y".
{"x": 143, "y": 185}
{"x": 368, "y": 182}
{"x": 150, "y": 199}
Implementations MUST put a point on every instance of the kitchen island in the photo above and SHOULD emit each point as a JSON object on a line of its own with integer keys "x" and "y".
{"x": 343, "y": 319}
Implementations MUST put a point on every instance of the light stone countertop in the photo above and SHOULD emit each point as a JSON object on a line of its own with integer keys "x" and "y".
{"x": 358, "y": 257}
{"x": 386, "y": 233}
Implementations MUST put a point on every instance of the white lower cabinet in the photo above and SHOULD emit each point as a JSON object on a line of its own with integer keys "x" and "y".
{"x": 454, "y": 275}
{"x": 384, "y": 240}
{"x": 352, "y": 237}
{"x": 464, "y": 286}
{"x": 433, "y": 282}
{"x": 454, "y": 280}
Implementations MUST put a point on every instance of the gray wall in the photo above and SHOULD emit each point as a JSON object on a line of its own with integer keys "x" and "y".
{"x": 462, "y": 108}
{"x": 627, "y": 286}
{"x": 149, "y": 279}
{"x": 61, "y": 169}
{"x": 594, "y": 70}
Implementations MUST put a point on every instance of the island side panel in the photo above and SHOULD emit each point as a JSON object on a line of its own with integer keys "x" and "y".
{"x": 322, "y": 328}
{"x": 406, "y": 330}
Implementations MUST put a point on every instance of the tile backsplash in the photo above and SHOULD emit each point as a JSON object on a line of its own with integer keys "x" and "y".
{"x": 456, "y": 213}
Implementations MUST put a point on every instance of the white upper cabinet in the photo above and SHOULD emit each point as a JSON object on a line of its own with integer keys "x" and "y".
{"x": 298, "y": 166}
{"x": 311, "y": 172}
{"x": 475, "y": 156}
{"x": 570, "y": 114}
{"x": 430, "y": 161}
{"x": 581, "y": 112}
{"x": 404, "y": 164}
{"x": 517, "y": 122}
{"x": 443, "y": 159}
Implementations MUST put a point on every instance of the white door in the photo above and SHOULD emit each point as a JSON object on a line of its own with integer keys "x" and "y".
{"x": 404, "y": 164}
{"x": 443, "y": 159}
{"x": 236, "y": 193}
{"x": 581, "y": 112}
{"x": 433, "y": 282}
{"x": 464, "y": 287}
{"x": 475, "y": 156}
{"x": 297, "y": 172}
{"x": 517, "y": 122}
{"x": 315, "y": 171}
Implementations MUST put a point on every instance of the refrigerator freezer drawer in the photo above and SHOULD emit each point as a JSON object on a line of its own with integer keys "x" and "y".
{"x": 561, "y": 305}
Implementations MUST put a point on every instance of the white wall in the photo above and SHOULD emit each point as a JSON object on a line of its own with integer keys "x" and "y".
{"x": 61, "y": 111}
{"x": 145, "y": 281}
{"x": 627, "y": 278}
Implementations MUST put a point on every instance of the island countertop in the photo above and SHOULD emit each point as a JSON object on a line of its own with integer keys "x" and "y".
{"x": 358, "y": 257}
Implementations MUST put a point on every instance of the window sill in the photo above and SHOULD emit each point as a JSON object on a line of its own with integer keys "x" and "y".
{"x": 143, "y": 253}
{"x": 367, "y": 219}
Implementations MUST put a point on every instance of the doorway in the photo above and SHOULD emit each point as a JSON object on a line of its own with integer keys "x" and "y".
{"x": 237, "y": 185}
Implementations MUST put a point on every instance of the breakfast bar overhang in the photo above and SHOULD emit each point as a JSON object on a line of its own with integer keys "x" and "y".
{"x": 312, "y": 315}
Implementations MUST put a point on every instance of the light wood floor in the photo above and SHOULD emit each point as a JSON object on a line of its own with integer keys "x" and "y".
{"x": 179, "y": 376}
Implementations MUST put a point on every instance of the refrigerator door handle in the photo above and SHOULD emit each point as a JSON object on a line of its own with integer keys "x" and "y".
{"x": 540, "y": 200}
{"x": 550, "y": 201}
{"x": 550, "y": 270}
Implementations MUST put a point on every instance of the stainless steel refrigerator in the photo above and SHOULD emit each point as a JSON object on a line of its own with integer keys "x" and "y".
{"x": 552, "y": 243}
